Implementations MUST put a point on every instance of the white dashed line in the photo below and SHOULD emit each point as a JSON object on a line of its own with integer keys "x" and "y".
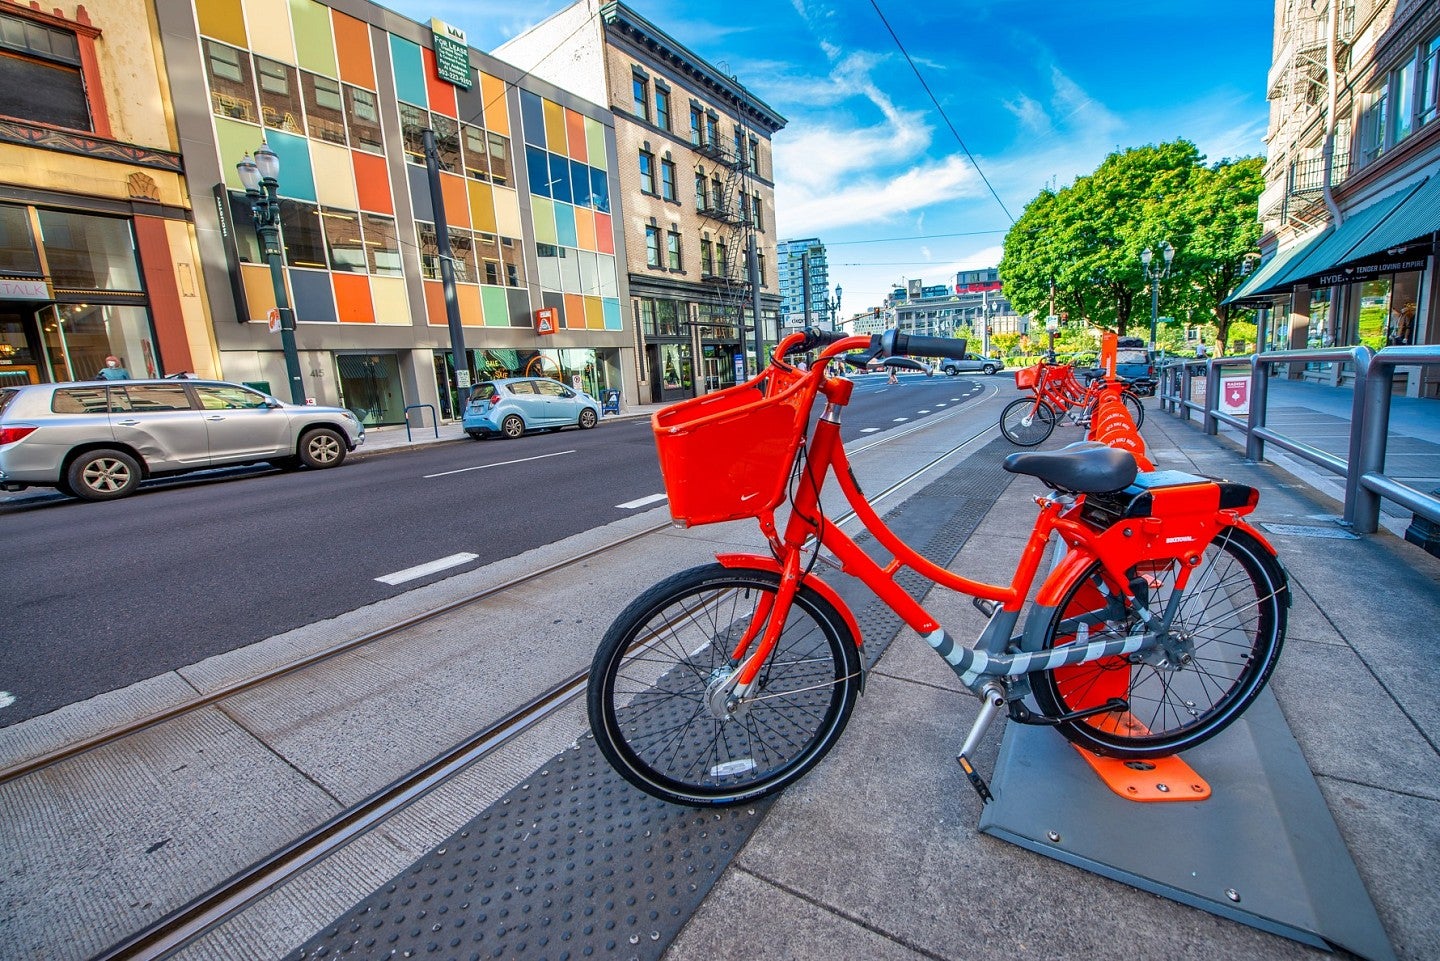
{"x": 503, "y": 463}
{"x": 420, "y": 570}
{"x": 641, "y": 502}
{"x": 868, "y": 430}
{"x": 900, "y": 420}
{"x": 6, "y": 698}
{"x": 922, "y": 412}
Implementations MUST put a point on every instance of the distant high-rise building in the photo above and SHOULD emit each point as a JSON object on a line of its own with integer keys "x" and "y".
{"x": 793, "y": 255}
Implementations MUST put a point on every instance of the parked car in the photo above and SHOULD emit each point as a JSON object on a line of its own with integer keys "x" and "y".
{"x": 98, "y": 440}
{"x": 513, "y": 405}
{"x": 1135, "y": 362}
{"x": 970, "y": 364}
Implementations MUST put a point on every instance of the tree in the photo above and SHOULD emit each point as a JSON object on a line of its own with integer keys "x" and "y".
{"x": 1086, "y": 239}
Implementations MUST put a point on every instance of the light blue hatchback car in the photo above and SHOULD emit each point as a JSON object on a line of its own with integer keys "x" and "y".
{"x": 511, "y": 406}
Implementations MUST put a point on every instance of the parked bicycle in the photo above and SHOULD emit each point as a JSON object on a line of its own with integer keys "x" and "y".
{"x": 1055, "y": 393}
{"x": 729, "y": 681}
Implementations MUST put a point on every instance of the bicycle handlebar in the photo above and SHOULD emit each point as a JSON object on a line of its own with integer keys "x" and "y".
{"x": 891, "y": 343}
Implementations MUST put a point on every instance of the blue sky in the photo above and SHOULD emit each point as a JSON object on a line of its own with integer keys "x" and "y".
{"x": 1038, "y": 90}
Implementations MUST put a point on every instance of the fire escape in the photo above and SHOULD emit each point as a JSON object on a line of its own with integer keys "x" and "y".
{"x": 729, "y": 204}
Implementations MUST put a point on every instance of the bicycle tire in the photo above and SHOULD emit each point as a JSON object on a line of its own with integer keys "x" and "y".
{"x": 1134, "y": 405}
{"x": 1013, "y": 422}
{"x": 1233, "y": 615}
{"x": 647, "y": 701}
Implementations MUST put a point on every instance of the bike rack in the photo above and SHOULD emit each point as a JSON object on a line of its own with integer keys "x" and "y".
{"x": 434, "y": 419}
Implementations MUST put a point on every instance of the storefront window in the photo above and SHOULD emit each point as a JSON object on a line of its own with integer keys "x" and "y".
{"x": 17, "y": 246}
{"x": 675, "y": 367}
{"x": 1404, "y": 305}
{"x": 242, "y": 218}
{"x": 86, "y": 252}
{"x": 303, "y": 238}
{"x": 370, "y": 387}
{"x": 78, "y": 338}
{"x": 1372, "y": 324}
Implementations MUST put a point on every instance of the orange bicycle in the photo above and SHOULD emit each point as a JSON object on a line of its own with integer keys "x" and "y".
{"x": 1057, "y": 392}
{"x": 729, "y": 681}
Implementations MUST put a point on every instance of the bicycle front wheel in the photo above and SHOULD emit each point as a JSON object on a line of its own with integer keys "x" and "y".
{"x": 1026, "y": 423}
{"x": 1134, "y": 406}
{"x": 1223, "y": 643}
{"x": 652, "y": 691}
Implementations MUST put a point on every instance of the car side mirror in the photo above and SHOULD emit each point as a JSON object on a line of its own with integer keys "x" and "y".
{"x": 273, "y": 404}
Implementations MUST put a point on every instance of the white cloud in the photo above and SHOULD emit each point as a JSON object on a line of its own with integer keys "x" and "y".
{"x": 805, "y": 207}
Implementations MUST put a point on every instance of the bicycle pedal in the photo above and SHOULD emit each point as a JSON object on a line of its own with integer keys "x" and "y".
{"x": 977, "y": 781}
{"x": 986, "y": 607}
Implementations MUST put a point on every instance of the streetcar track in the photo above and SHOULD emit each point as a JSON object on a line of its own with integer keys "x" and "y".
{"x": 206, "y": 912}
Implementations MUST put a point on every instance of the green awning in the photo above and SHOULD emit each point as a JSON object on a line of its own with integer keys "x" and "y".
{"x": 1262, "y": 280}
{"x": 1341, "y": 244}
{"x": 1417, "y": 217}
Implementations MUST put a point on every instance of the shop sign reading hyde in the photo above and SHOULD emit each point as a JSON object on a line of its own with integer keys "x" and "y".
{"x": 452, "y": 53}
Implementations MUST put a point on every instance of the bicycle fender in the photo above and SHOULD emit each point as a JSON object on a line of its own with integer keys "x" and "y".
{"x": 765, "y": 562}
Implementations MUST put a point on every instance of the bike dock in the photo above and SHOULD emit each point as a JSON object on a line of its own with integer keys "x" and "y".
{"x": 547, "y": 853}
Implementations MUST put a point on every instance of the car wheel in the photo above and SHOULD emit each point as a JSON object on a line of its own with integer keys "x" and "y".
{"x": 512, "y": 426}
{"x": 951, "y": 371}
{"x": 989, "y": 368}
{"x": 322, "y": 447}
{"x": 588, "y": 419}
{"x": 102, "y": 475}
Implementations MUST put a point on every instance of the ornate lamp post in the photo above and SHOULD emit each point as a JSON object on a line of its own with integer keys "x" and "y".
{"x": 834, "y": 305}
{"x": 260, "y": 175}
{"x": 1154, "y": 276}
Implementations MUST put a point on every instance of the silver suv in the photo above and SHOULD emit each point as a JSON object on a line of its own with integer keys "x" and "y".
{"x": 99, "y": 440}
{"x": 971, "y": 363}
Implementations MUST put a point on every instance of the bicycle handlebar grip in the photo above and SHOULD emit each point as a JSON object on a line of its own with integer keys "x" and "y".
{"x": 815, "y": 337}
{"x": 896, "y": 343}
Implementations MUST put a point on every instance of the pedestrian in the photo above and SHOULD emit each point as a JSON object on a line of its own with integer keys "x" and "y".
{"x": 892, "y": 379}
{"x": 112, "y": 370}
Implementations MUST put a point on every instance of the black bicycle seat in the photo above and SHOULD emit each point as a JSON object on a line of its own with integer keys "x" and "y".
{"x": 1088, "y": 467}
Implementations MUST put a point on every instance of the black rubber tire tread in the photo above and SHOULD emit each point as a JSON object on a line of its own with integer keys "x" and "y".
{"x": 667, "y": 634}
{"x": 587, "y": 419}
{"x": 330, "y": 452}
{"x": 98, "y": 467}
{"x": 512, "y": 427}
{"x": 1230, "y": 663}
{"x": 1041, "y": 426}
{"x": 1135, "y": 406}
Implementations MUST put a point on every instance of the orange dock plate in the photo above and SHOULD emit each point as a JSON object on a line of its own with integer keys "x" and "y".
{"x": 1158, "y": 779}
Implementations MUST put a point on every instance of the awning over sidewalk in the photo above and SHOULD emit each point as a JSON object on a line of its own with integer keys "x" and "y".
{"x": 1341, "y": 246}
{"x": 1418, "y": 217}
{"x": 1262, "y": 280}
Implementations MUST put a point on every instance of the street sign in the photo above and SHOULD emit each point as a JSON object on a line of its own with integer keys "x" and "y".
{"x": 462, "y": 379}
{"x": 273, "y": 317}
{"x": 1052, "y": 323}
{"x": 452, "y": 53}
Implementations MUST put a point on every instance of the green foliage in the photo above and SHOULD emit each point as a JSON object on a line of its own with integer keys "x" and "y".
{"x": 1082, "y": 244}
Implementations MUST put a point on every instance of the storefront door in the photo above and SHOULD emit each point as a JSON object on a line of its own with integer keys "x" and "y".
{"x": 21, "y": 359}
{"x": 370, "y": 387}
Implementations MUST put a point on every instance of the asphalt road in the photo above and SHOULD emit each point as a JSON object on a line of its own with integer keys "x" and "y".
{"x": 100, "y": 595}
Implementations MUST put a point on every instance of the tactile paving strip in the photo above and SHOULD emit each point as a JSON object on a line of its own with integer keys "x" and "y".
{"x": 576, "y": 863}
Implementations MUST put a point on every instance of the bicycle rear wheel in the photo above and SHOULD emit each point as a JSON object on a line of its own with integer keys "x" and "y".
{"x": 651, "y": 685}
{"x": 1134, "y": 406}
{"x": 1226, "y": 637}
{"x": 1026, "y": 423}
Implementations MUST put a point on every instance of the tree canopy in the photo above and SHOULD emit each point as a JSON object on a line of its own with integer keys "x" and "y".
{"x": 1086, "y": 239}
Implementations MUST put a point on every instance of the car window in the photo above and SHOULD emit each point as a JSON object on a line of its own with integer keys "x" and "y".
{"x": 6, "y": 396}
{"x": 1132, "y": 356}
{"x": 551, "y": 388}
{"x": 148, "y": 398}
{"x": 523, "y": 387}
{"x": 79, "y": 400}
{"x": 229, "y": 397}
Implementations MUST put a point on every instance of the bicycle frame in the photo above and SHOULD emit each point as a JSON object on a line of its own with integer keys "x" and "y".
{"x": 1188, "y": 515}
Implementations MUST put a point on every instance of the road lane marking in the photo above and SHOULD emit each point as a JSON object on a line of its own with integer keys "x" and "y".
{"x": 868, "y": 430}
{"x": 900, "y": 420}
{"x": 420, "y": 570}
{"x": 641, "y": 502}
{"x": 925, "y": 411}
{"x": 503, "y": 463}
{"x": 6, "y": 698}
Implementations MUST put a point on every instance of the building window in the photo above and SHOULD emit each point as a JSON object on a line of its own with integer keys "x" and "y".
{"x": 362, "y": 117}
{"x": 744, "y": 207}
{"x": 672, "y": 249}
{"x": 475, "y": 152}
{"x": 641, "y": 88}
{"x": 489, "y": 259}
{"x": 1372, "y": 128}
{"x": 662, "y": 106}
{"x": 1430, "y": 82}
{"x": 40, "y": 72}
{"x": 303, "y": 237}
{"x": 413, "y": 121}
{"x": 760, "y": 267}
{"x": 740, "y": 147}
{"x": 324, "y": 109}
{"x": 652, "y": 246}
{"x": 462, "y": 252}
{"x": 382, "y": 245}
{"x": 499, "y": 159}
{"x": 232, "y": 85}
{"x": 429, "y": 243}
{"x": 447, "y": 142}
{"x": 759, "y": 220}
{"x": 343, "y": 240}
{"x": 667, "y": 180}
{"x": 647, "y": 172}
{"x": 1402, "y": 99}
{"x": 700, "y": 190}
{"x": 697, "y": 128}
{"x": 87, "y": 252}
{"x": 707, "y": 257}
{"x": 712, "y": 123}
{"x": 279, "y": 95}
{"x": 17, "y": 245}
{"x": 722, "y": 258}
{"x": 514, "y": 263}
{"x": 754, "y": 155}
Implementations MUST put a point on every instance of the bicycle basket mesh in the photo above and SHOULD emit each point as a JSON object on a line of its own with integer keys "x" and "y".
{"x": 1025, "y": 378}
{"x": 727, "y": 455}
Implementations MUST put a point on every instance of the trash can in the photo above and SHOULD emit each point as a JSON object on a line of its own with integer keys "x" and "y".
{"x": 610, "y": 402}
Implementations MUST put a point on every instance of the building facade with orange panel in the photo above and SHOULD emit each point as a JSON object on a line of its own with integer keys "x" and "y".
{"x": 342, "y": 92}
{"x": 97, "y": 252}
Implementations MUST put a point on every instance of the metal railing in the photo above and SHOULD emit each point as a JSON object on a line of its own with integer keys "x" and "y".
{"x": 1363, "y": 467}
{"x": 433, "y": 418}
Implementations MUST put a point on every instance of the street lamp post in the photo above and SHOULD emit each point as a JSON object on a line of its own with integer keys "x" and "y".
{"x": 834, "y": 304}
{"x": 260, "y": 177}
{"x": 1154, "y": 276}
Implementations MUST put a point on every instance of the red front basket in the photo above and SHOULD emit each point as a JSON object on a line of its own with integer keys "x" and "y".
{"x": 1025, "y": 378}
{"x": 727, "y": 455}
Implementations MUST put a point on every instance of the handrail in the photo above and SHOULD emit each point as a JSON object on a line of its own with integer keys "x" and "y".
{"x": 1364, "y": 464}
{"x": 435, "y": 420}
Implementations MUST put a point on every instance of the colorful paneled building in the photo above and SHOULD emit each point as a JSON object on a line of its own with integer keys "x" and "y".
{"x": 97, "y": 252}
{"x": 343, "y": 93}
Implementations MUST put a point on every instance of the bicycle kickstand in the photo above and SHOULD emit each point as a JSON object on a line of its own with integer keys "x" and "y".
{"x": 992, "y": 700}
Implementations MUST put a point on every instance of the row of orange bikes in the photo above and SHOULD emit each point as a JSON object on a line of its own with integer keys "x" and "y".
{"x": 1106, "y": 406}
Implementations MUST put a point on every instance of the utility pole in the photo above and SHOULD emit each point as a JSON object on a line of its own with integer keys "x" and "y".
{"x": 447, "y": 275}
